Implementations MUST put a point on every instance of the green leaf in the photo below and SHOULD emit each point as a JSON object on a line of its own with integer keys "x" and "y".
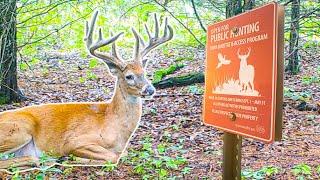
{"x": 161, "y": 148}
{"x": 301, "y": 169}
{"x": 56, "y": 170}
{"x": 40, "y": 176}
{"x": 163, "y": 173}
{"x": 93, "y": 63}
{"x": 109, "y": 166}
{"x": 82, "y": 80}
{"x": 186, "y": 170}
{"x": 23, "y": 66}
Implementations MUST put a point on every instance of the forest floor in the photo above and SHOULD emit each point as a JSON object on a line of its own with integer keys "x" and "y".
{"x": 171, "y": 125}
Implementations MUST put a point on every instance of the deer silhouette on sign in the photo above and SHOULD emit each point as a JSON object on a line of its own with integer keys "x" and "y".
{"x": 246, "y": 72}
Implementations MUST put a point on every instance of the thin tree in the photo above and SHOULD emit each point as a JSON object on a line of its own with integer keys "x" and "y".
{"x": 8, "y": 52}
{"x": 248, "y": 5}
{"x": 293, "y": 65}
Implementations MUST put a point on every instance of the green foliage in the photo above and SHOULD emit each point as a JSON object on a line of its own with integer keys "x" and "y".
{"x": 6, "y": 156}
{"x": 311, "y": 44}
{"x": 46, "y": 25}
{"x": 184, "y": 58}
{"x": 195, "y": 89}
{"x": 303, "y": 96}
{"x": 301, "y": 170}
{"x": 16, "y": 174}
{"x": 89, "y": 76}
{"x": 82, "y": 80}
{"x": 93, "y": 63}
{"x": 155, "y": 163}
{"x": 109, "y": 166}
{"x": 161, "y": 73}
{"x": 67, "y": 171}
{"x": 3, "y": 99}
{"x": 307, "y": 80}
{"x": 311, "y": 117}
{"x": 23, "y": 66}
{"x": 270, "y": 170}
{"x": 264, "y": 172}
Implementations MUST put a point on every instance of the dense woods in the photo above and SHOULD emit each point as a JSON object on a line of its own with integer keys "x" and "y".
{"x": 43, "y": 59}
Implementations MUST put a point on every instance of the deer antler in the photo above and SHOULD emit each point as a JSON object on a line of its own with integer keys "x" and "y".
{"x": 249, "y": 51}
{"x": 245, "y": 55}
{"x": 111, "y": 61}
{"x": 154, "y": 41}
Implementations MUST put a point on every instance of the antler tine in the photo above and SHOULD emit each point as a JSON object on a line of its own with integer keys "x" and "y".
{"x": 249, "y": 51}
{"x": 156, "y": 41}
{"x": 156, "y": 27}
{"x": 114, "y": 51}
{"x": 147, "y": 30}
{"x": 137, "y": 44}
{"x": 92, "y": 47}
{"x": 165, "y": 31}
{"x": 89, "y": 29}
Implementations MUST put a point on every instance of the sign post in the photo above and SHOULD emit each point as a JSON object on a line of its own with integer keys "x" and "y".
{"x": 231, "y": 156}
{"x": 244, "y": 80}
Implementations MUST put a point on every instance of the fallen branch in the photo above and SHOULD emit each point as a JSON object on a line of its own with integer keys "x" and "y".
{"x": 185, "y": 80}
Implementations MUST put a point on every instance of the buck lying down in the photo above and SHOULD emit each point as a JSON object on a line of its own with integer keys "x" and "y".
{"x": 95, "y": 132}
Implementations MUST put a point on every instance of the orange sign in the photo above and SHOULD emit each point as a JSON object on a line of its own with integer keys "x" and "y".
{"x": 242, "y": 73}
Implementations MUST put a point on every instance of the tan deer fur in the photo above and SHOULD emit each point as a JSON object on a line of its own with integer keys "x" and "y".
{"x": 96, "y": 132}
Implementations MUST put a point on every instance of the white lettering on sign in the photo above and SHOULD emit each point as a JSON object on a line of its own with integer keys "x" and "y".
{"x": 222, "y": 33}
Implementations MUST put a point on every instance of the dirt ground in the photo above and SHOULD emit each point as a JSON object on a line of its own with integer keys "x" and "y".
{"x": 177, "y": 113}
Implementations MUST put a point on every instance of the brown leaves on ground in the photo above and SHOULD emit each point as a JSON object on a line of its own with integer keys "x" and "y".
{"x": 177, "y": 112}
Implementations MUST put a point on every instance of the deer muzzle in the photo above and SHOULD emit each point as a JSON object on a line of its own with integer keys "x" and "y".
{"x": 148, "y": 91}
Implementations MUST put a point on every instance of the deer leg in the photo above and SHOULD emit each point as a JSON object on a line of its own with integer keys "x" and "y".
{"x": 252, "y": 85}
{"x": 26, "y": 161}
{"x": 23, "y": 148}
{"x": 95, "y": 154}
{"x": 244, "y": 87}
{"x": 13, "y": 137}
{"x": 241, "y": 85}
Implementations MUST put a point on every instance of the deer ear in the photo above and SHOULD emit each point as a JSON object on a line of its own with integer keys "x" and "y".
{"x": 113, "y": 68}
{"x": 145, "y": 62}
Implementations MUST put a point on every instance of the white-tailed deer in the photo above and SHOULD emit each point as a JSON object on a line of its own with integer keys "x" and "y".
{"x": 246, "y": 72}
{"x": 95, "y": 132}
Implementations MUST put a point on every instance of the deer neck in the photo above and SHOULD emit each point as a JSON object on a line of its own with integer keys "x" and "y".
{"x": 243, "y": 63}
{"x": 127, "y": 108}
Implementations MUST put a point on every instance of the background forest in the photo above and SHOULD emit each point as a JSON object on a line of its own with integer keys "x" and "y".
{"x": 44, "y": 59}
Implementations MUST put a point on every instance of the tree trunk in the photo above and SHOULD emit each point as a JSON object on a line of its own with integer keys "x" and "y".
{"x": 293, "y": 65}
{"x": 233, "y": 8}
{"x": 249, "y": 4}
{"x": 8, "y": 52}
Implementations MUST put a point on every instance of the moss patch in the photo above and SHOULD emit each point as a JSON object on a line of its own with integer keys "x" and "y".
{"x": 161, "y": 73}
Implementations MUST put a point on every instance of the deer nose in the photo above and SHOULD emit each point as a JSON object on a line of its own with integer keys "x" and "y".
{"x": 148, "y": 90}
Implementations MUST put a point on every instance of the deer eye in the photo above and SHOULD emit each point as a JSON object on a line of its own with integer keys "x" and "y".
{"x": 130, "y": 77}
